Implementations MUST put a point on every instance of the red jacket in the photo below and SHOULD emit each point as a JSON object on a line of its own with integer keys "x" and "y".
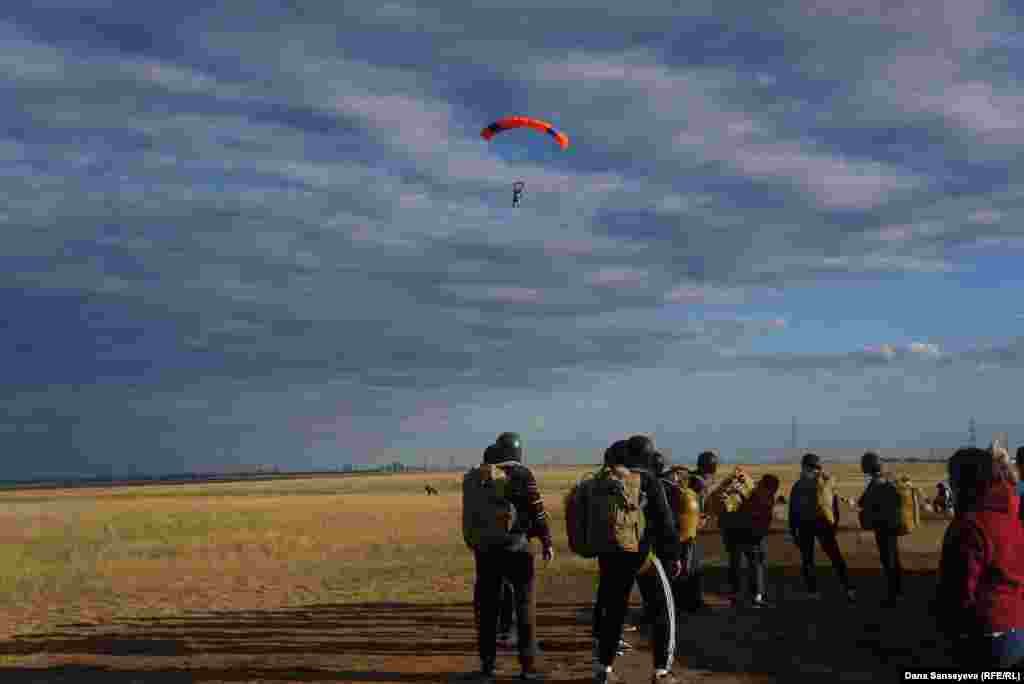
{"x": 981, "y": 574}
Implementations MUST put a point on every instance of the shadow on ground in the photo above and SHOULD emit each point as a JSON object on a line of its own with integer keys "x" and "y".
{"x": 426, "y": 643}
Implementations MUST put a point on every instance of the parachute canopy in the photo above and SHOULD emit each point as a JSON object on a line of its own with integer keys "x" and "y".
{"x": 528, "y": 122}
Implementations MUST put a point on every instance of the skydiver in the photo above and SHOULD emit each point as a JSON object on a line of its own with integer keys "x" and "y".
{"x": 517, "y": 192}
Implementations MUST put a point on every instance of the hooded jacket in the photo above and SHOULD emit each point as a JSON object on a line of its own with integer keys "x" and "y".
{"x": 661, "y": 533}
{"x": 981, "y": 574}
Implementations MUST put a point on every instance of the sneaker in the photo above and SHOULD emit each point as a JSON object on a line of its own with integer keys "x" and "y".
{"x": 760, "y": 602}
{"x": 851, "y": 596}
{"x": 624, "y": 646}
{"x": 620, "y": 651}
{"x": 531, "y": 676}
{"x": 507, "y": 641}
{"x": 667, "y": 678}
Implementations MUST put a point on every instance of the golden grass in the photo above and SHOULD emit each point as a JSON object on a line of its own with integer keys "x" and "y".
{"x": 92, "y": 554}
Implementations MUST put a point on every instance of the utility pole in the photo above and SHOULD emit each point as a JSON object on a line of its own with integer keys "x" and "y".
{"x": 793, "y": 443}
{"x": 972, "y": 433}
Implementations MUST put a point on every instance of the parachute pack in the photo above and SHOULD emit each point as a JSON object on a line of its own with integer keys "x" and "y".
{"x": 603, "y": 513}
{"x": 891, "y": 504}
{"x": 825, "y": 494}
{"x": 684, "y": 502}
{"x": 487, "y": 514}
{"x": 728, "y": 496}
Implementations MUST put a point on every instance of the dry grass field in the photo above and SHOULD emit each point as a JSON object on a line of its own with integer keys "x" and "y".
{"x": 365, "y": 578}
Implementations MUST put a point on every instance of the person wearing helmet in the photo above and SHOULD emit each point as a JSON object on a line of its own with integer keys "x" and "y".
{"x": 886, "y": 539}
{"x": 620, "y": 571}
{"x": 806, "y": 527}
{"x": 514, "y": 562}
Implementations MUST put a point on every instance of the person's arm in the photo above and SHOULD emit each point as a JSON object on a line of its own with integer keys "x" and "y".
{"x": 533, "y": 507}
{"x": 661, "y": 523}
{"x": 835, "y": 508}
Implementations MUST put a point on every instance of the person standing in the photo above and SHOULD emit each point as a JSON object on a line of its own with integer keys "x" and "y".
{"x": 979, "y": 604}
{"x": 502, "y": 510}
{"x": 886, "y": 537}
{"x": 621, "y": 561}
{"x": 808, "y": 524}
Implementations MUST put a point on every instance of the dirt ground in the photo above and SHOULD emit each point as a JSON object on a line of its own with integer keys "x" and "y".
{"x": 400, "y": 642}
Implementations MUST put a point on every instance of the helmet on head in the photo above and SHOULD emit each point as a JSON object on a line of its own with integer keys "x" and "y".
{"x": 870, "y": 463}
{"x": 658, "y": 463}
{"x": 639, "y": 452}
{"x": 810, "y": 461}
{"x": 707, "y": 463}
{"x": 615, "y": 454}
{"x": 510, "y": 446}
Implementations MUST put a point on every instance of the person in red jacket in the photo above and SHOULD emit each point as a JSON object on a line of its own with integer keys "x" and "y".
{"x": 979, "y": 602}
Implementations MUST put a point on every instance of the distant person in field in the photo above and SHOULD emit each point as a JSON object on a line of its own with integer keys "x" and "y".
{"x": 943, "y": 502}
{"x": 979, "y": 602}
{"x": 809, "y": 524}
{"x": 502, "y": 510}
{"x": 621, "y": 569}
{"x": 886, "y": 538}
{"x": 431, "y": 491}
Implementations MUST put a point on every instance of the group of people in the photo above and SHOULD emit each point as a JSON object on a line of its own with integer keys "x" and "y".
{"x": 979, "y": 603}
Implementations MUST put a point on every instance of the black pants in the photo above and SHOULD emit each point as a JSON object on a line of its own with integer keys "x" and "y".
{"x": 492, "y": 568}
{"x": 745, "y": 546}
{"x": 688, "y": 588}
{"x": 825, "y": 535}
{"x": 889, "y": 553}
{"x": 506, "y": 607}
{"x": 619, "y": 571}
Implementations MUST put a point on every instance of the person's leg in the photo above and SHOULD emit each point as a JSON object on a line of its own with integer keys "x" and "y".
{"x": 735, "y": 560}
{"x": 506, "y": 609}
{"x": 755, "y": 557}
{"x": 805, "y": 540}
{"x": 618, "y": 573}
{"x": 897, "y": 567}
{"x": 488, "y": 584}
{"x": 656, "y": 590}
{"x": 827, "y": 538}
{"x": 521, "y": 571}
{"x": 886, "y": 548}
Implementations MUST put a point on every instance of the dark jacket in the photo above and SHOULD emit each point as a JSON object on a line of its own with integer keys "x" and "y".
{"x": 803, "y": 499}
{"x": 661, "y": 532}
{"x": 981, "y": 573}
{"x": 531, "y": 518}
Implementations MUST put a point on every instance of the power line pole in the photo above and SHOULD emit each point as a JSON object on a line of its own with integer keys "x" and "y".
{"x": 972, "y": 433}
{"x": 793, "y": 443}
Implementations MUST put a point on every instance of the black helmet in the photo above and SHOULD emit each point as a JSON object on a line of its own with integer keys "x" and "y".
{"x": 492, "y": 454}
{"x": 658, "y": 463}
{"x": 707, "y": 463}
{"x": 510, "y": 445}
{"x": 615, "y": 454}
{"x": 639, "y": 452}
{"x": 810, "y": 461}
{"x": 870, "y": 463}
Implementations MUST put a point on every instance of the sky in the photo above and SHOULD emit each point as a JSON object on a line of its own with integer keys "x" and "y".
{"x": 270, "y": 233}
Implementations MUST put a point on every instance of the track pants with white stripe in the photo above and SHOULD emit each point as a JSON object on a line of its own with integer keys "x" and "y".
{"x": 618, "y": 573}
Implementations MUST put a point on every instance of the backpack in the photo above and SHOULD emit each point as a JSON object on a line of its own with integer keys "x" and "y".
{"x": 728, "y": 496}
{"x": 909, "y": 506}
{"x": 684, "y": 502}
{"x": 824, "y": 497}
{"x": 603, "y": 513}
{"x": 487, "y": 514}
{"x": 891, "y": 505}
